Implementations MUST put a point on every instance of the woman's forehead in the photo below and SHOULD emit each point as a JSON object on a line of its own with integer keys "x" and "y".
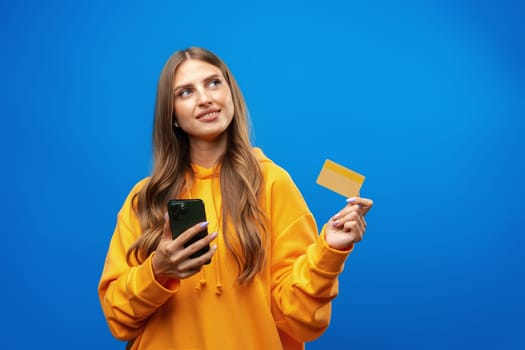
{"x": 194, "y": 71}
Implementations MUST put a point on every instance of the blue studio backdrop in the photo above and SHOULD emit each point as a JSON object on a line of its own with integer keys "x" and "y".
{"x": 425, "y": 98}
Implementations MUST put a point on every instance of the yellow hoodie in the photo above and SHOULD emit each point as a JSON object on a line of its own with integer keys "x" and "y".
{"x": 285, "y": 305}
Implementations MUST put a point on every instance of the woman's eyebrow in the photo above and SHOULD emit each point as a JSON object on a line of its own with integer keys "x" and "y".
{"x": 213, "y": 76}
{"x": 185, "y": 86}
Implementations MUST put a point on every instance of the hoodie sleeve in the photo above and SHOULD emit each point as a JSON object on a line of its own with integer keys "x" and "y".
{"x": 304, "y": 269}
{"x": 129, "y": 293}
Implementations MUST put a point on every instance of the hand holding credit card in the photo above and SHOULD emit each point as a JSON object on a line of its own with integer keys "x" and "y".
{"x": 339, "y": 179}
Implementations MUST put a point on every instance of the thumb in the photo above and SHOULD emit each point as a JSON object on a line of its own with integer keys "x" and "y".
{"x": 166, "y": 229}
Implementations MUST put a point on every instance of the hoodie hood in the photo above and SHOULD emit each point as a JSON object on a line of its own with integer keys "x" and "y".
{"x": 203, "y": 173}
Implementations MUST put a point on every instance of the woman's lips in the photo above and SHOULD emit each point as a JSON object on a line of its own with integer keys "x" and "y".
{"x": 209, "y": 115}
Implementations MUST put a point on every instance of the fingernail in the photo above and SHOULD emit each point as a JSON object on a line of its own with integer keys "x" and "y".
{"x": 351, "y": 200}
{"x": 214, "y": 247}
{"x": 214, "y": 235}
{"x": 166, "y": 216}
{"x": 204, "y": 224}
{"x": 335, "y": 223}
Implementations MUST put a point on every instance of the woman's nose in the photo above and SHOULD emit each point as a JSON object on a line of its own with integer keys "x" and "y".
{"x": 204, "y": 98}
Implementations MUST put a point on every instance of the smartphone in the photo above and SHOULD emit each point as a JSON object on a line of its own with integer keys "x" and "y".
{"x": 185, "y": 213}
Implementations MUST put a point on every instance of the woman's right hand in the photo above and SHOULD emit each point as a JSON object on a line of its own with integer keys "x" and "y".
{"x": 172, "y": 259}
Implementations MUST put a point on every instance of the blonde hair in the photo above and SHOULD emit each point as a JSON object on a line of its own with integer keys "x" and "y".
{"x": 240, "y": 174}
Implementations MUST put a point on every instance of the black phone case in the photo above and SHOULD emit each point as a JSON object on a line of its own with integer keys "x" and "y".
{"x": 185, "y": 213}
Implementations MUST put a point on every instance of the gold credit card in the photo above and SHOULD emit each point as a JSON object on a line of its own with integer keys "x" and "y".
{"x": 339, "y": 179}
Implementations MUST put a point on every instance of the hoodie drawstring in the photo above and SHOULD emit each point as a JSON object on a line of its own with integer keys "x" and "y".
{"x": 202, "y": 281}
{"x": 218, "y": 285}
{"x": 218, "y": 215}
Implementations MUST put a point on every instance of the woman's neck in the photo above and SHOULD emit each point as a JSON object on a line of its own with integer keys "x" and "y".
{"x": 207, "y": 153}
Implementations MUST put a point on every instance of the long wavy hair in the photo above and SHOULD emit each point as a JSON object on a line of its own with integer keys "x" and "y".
{"x": 241, "y": 181}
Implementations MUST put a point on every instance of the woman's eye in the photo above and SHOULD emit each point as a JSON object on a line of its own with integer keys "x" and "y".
{"x": 214, "y": 83}
{"x": 184, "y": 92}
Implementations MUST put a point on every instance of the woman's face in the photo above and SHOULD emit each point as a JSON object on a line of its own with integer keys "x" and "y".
{"x": 203, "y": 100}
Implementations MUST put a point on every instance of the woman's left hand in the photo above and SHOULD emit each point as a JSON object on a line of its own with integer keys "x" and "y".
{"x": 348, "y": 226}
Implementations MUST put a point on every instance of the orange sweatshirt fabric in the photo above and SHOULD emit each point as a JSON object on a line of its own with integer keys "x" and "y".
{"x": 284, "y": 306}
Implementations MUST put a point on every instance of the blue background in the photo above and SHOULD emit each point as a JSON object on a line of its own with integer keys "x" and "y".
{"x": 426, "y": 98}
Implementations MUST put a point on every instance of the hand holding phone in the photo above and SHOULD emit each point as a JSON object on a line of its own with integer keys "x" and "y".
{"x": 185, "y": 213}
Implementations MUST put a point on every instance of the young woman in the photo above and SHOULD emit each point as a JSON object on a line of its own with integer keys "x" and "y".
{"x": 271, "y": 278}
